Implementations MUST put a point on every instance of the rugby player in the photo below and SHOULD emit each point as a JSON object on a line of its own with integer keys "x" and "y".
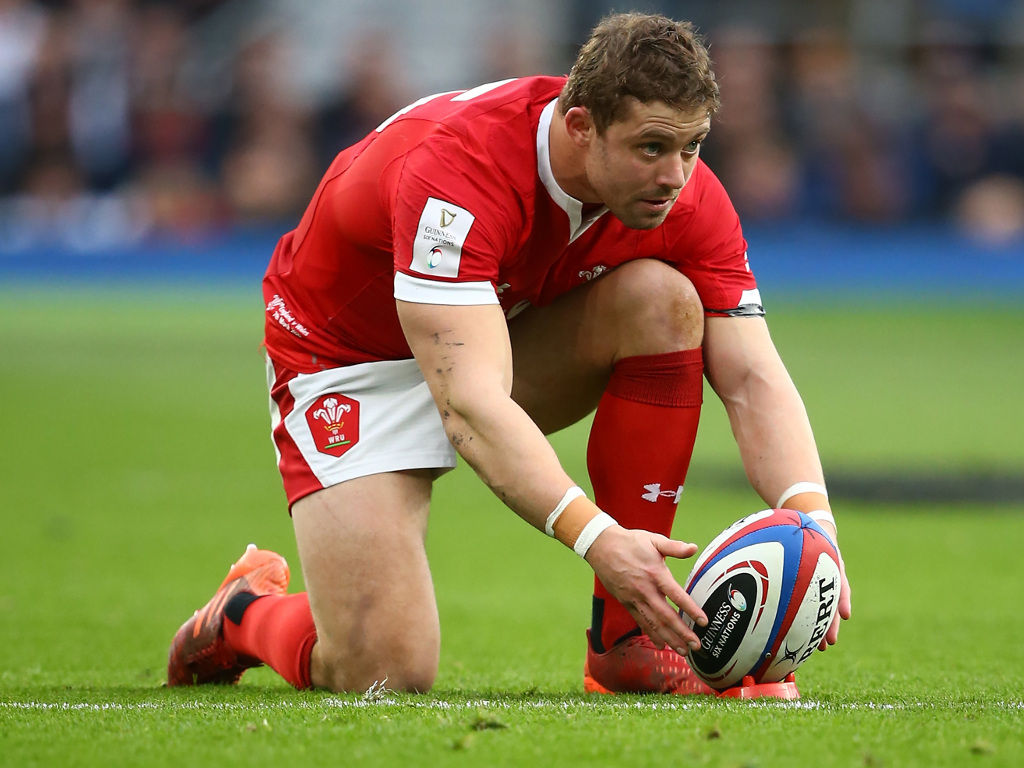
{"x": 487, "y": 267}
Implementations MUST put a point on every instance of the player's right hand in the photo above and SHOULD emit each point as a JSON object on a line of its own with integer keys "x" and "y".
{"x": 631, "y": 565}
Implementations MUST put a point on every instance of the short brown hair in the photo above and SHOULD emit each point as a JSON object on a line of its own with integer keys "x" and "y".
{"x": 646, "y": 56}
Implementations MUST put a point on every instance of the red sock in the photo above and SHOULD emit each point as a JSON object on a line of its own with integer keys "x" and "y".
{"x": 278, "y": 630}
{"x": 639, "y": 450}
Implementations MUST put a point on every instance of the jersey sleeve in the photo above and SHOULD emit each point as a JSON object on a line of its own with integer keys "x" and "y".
{"x": 450, "y": 225}
{"x": 707, "y": 245}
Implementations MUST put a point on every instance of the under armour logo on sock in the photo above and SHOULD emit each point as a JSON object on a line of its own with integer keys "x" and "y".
{"x": 654, "y": 493}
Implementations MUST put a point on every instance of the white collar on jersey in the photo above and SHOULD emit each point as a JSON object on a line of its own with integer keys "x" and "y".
{"x": 573, "y": 207}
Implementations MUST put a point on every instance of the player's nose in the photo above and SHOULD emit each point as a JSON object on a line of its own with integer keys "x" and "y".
{"x": 672, "y": 172}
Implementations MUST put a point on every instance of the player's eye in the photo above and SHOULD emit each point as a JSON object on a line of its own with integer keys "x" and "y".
{"x": 693, "y": 146}
{"x": 651, "y": 148}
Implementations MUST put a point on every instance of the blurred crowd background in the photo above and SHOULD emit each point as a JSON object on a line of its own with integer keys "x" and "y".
{"x": 127, "y": 119}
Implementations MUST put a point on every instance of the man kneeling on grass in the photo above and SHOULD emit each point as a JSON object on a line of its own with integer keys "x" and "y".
{"x": 563, "y": 228}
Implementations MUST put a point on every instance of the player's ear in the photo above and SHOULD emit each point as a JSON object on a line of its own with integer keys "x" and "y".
{"x": 580, "y": 126}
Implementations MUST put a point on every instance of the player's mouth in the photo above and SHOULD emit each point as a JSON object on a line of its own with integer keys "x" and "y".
{"x": 657, "y": 204}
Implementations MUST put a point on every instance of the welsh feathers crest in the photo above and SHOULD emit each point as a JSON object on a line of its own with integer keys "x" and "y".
{"x": 332, "y": 413}
{"x": 333, "y": 421}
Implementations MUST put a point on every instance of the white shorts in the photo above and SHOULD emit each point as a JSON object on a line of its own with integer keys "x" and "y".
{"x": 343, "y": 423}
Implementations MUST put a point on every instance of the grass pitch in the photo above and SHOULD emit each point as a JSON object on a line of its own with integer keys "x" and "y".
{"x": 135, "y": 465}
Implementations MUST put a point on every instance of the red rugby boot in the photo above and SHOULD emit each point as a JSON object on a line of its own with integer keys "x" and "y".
{"x": 198, "y": 652}
{"x": 635, "y": 665}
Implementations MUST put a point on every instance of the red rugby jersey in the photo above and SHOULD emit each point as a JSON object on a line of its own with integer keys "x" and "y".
{"x": 452, "y": 201}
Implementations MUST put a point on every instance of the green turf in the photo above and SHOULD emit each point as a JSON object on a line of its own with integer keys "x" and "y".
{"x": 135, "y": 465}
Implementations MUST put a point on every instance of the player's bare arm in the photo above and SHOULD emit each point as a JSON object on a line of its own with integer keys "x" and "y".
{"x": 466, "y": 358}
{"x": 768, "y": 418}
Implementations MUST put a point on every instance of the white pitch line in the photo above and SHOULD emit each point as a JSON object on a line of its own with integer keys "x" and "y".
{"x": 384, "y": 702}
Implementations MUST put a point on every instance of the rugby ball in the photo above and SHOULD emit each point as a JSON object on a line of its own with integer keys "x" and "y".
{"x": 769, "y": 585}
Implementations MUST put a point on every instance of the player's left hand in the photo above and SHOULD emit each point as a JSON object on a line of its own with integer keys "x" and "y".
{"x": 845, "y": 607}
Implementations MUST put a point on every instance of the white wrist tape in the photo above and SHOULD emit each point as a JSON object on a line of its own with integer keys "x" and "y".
{"x": 573, "y": 493}
{"x": 822, "y": 515}
{"x": 797, "y": 488}
{"x": 591, "y": 531}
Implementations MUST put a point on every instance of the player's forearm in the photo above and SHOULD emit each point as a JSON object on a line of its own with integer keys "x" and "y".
{"x": 507, "y": 450}
{"x": 466, "y": 359}
{"x": 767, "y": 414}
{"x": 774, "y": 435}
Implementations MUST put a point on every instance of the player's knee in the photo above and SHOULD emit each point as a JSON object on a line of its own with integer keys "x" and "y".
{"x": 389, "y": 666}
{"x": 657, "y": 309}
{"x": 390, "y": 676}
